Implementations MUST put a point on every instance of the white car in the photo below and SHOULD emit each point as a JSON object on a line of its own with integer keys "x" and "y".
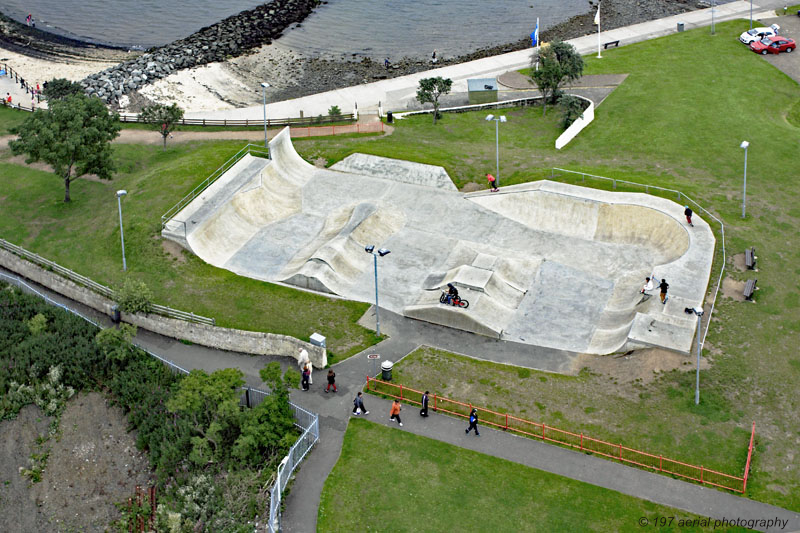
{"x": 756, "y": 34}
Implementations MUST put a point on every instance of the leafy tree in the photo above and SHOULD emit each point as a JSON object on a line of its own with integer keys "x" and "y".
{"x": 164, "y": 117}
{"x": 558, "y": 63}
{"x": 266, "y": 430}
{"x": 60, "y": 88}
{"x": 211, "y": 404}
{"x": 115, "y": 343}
{"x": 74, "y": 137}
{"x": 571, "y": 109}
{"x": 430, "y": 89}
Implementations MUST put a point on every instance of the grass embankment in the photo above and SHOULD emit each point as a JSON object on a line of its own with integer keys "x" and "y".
{"x": 677, "y": 121}
{"x": 84, "y": 236}
{"x": 428, "y": 485}
{"x": 10, "y": 118}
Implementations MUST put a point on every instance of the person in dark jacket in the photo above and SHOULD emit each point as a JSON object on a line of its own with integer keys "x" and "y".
{"x": 331, "y": 381}
{"x": 358, "y": 405}
{"x": 664, "y": 286}
{"x": 688, "y": 213}
{"x": 306, "y": 376}
{"x": 473, "y": 423}
{"x": 424, "y": 410}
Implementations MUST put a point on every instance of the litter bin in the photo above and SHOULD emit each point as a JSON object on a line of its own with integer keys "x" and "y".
{"x": 680, "y": 26}
{"x": 389, "y": 117}
{"x": 115, "y": 315}
{"x": 386, "y": 370}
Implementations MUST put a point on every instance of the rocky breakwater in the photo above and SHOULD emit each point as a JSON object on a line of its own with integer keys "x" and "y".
{"x": 229, "y": 38}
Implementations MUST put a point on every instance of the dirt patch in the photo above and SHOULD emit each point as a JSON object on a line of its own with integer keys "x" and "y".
{"x": 642, "y": 366}
{"x": 320, "y": 162}
{"x": 92, "y": 465}
{"x": 472, "y": 187}
{"x": 738, "y": 262}
{"x": 733, "y": 289}
{"x": 173, "y": 249}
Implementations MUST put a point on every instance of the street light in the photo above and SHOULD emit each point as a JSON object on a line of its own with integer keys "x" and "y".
{"x": 497, "y": 121}
{"x": 713, "y": 9}
{"x": 699, "y": 312}
{"x": 751, "y": 14}
{"x": 120, "y": 194}
{"x": 744, "y": 145}
{"x": 370, "y": 249}
{"x": 264, "y": 86}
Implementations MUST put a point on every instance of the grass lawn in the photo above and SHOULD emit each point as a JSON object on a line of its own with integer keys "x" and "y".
{"x": 391, "y": 480}
{"x": 677, "y": 121}
{"x": 84, "y": 236}
{"x": 10, "y": 118}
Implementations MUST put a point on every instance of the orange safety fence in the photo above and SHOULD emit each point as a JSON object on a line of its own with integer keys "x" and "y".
{"x": 321, "y": 131}
{"x": 578, "y": 441}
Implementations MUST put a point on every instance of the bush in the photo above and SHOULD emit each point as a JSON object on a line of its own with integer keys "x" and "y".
{"x": 134, "y": 297}
{"x": 571, "y": 109}
{"x": 334, "y": 111}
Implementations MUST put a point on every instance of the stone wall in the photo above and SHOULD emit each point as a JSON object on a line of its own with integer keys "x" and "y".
{"x": 229, "y": 38}
{"x": 253, "y": 342}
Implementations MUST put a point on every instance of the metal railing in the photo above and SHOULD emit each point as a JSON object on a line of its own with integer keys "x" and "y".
{"x": 14, "y": 75}
{"x": 681, "y": 198}
{"x": 577, "y": 441}
{"x": 250, "y": 149}
{"x": 98, "y": 288}
{"x": 305, "y": 420}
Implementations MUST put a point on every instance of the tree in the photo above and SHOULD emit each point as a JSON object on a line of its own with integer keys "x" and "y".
{"x": 60, "y": 88}
{"x": 559, "y": 62}
{"x": 571, "y": 109}
{"x": 163, "y": 117}
{"x": 430, "y": 89}
{"x": 211, "y": 404}
{"x": 73, "y": 136}
{"x": 115, "y": 343}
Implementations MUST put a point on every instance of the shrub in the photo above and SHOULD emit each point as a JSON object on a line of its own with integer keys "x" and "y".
{"x": 334, "y": 111}
{"x": 134, "y": 297}
{"x": 571, "y": 109}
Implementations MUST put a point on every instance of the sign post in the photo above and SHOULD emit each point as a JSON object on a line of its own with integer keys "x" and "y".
{"x": 374, "y": 357}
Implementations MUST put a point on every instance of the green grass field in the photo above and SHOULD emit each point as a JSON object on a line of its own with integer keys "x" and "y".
{"x": 387, "y": 479}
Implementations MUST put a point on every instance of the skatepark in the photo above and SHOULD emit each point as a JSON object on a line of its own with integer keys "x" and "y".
{"x": 541, "y": 263}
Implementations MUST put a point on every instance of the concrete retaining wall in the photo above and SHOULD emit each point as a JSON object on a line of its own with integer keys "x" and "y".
{"x": 252, "y": 342}
{"x": 576, "y": 127}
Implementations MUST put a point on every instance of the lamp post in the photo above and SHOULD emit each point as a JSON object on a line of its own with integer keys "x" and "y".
{"x": 120, "y": 194}
{"x": 264, "y": 86}
{"x": 370, "y": 249}
{"x": 699, "y": 312}
{"x": 713, "y": 9}
{"x": 497, "y": 121}
{"x": 751, "y": 14}
{"x": 744, "y": 145}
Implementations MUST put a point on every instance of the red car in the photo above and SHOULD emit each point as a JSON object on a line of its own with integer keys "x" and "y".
{"x": 774, "y": 44}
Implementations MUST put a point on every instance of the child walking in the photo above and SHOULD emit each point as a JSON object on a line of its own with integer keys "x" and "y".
{"x": 394, "y": 414}
{"x": 331, "y": 381}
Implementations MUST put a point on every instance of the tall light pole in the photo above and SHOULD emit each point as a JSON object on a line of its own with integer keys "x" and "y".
{"x": 744, "y": 145}
{"x": 264, "y": 86}
{"x": 120, "y": 194}
{"x": 751, "y": 14}
{"x": 370, "y": 249}
{"x": 699, "y": 312}
{"x": 713, "y": 9}
{"x": 497, "y": 121}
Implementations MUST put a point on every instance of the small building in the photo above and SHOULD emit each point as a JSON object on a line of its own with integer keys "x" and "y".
{"x": 482, "y": 90}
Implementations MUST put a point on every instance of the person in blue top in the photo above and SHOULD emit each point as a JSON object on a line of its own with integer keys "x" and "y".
{"x": 473, "y": 423}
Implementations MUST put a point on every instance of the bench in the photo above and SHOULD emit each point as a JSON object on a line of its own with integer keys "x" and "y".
{"x": 750, "y": 258}
{"x": 610, "y": 43}
{"x": 749, "y": 289}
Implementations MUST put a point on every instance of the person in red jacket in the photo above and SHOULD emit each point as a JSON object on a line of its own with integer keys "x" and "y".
{"x": 394, "y": 414}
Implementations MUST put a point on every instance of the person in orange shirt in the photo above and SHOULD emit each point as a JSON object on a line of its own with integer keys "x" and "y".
{"x": 394, "y": 414}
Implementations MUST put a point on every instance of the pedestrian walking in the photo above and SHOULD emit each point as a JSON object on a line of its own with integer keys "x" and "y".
{"x": 473, "y": 423}
{"x": 358, "y": 405}
{"x": 386, "y": 63}
{"x": 424, "y": 410}
{"x": 492, "y": 182}
{"x": 306, "y": 375}
{"x": 664, "y": 286}
{"x": 433, "y": 57}
{"x": 688, "y": 213}
{"x": 303, "y": 360}
{"x": 331, "y": 381}
{"x": 394, "y": 413}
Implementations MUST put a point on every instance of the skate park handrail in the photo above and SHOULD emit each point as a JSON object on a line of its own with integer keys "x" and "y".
{"x": 577, "y": 441}
{"x": 250, "y": 149}
{"x": 681, "y": 197}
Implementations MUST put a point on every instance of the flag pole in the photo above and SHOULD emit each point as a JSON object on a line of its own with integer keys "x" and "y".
{"x": 597, "y": 21}
{"x": 538, "y": 44}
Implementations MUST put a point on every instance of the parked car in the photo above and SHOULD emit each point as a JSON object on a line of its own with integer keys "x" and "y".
{"x": 756, "y": 34}
{"x": 773, "y": 45}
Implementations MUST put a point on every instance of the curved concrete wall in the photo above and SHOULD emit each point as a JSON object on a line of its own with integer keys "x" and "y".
{"x": 576, "y": 127}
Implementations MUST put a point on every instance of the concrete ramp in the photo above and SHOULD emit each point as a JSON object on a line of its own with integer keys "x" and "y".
{"x": 287, "y": 161}
{"x": 396, "y": 170}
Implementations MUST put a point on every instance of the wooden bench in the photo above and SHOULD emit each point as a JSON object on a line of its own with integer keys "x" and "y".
{"x": 750, "y": 258}
{"x": 749, "y": 289}
{"x": 611, "y": 43}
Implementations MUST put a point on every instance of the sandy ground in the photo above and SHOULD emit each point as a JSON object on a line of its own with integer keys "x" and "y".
{"x": 93, "y": 465}
{"x": 39, "y": 70}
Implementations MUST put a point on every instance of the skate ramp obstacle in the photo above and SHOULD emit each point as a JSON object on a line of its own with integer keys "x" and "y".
{"x": 396, "y": 170}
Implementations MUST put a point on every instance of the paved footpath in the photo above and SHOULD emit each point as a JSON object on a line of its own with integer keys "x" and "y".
{"x": 396, "y": 93}
{"x": 405, "y": 335}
